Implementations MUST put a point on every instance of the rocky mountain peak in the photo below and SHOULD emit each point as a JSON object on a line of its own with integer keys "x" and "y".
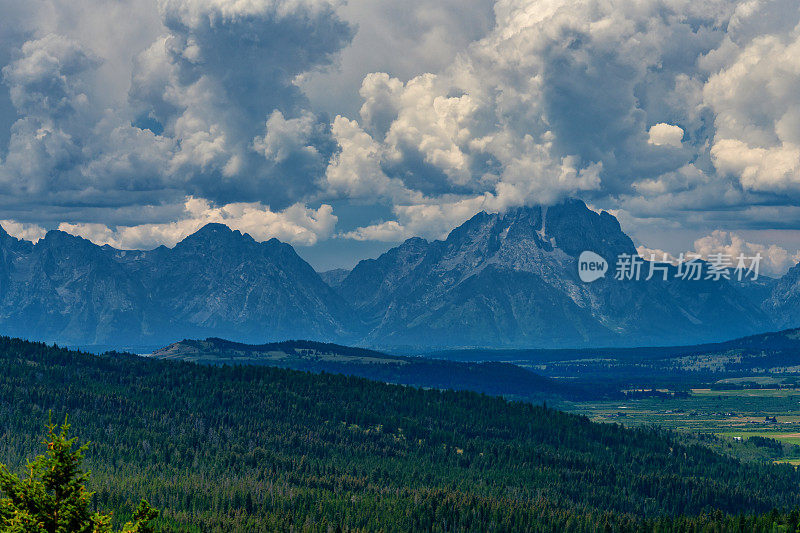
{"x": 576, "y": 228}
{"x": 570, "y": 226}
{"x": 55, "y": 235}
{"x": 65, "y": 245}
{"x": 215, "y": 237}
{"x": 414, "y": 243}
{"x": 7, "y": 242}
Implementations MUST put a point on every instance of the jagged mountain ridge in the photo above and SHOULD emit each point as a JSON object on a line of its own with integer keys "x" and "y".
{"x": 498, "y": 280}
{"x": 214, "y": 282}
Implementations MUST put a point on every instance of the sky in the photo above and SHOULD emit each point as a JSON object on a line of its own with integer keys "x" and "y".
{"x": 344, "y": 128}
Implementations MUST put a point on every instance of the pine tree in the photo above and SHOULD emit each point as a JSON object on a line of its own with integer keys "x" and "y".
{"x": 53, "y": 497}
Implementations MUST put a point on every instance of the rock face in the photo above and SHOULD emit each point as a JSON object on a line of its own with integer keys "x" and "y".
{"x": 512, "y": 280}
{"x": 498, "y": 280}
{"x": 215, "y": 282}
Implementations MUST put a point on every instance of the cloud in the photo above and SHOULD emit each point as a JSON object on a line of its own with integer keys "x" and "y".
{"x": 430, "y": 219}
{"x": 285, "y": 138}
{"x": 657, "y": 255}
{"x": 355, "y": 171}
{"x": 755, "y": 98}
{"x": 555, "y": 101}
{"x": 665, "y": 134}
{"x": 402, "y": 39}
{"x": 390, "y": 231}
{"x": 775, "y": 260}
{"x": 199, "y": 115}
{"x": 672, "y": 112}
{"x": 776, "y": 168}
{"x": 296, "y": 224}
{"x": 223, "y": 70}
{"x": 28, "y": 232}
{"x": 45, "y": 81}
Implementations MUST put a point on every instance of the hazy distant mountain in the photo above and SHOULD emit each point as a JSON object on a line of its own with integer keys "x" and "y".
{"x": 215, "y": 282}
{"x": 334, "y": 277}
{"x": 498, "y": 280}
{"x": 511, "y": 280}
{"x": 67, "y": 289}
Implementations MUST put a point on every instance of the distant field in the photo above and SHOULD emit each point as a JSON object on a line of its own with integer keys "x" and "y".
{"x": 757, "y": 393}
{"x": 790, "y": 438}
{"x": 723, "y": 413}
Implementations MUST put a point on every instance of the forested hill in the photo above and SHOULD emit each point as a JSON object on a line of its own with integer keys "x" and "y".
{"x": 502, "y": 379}
{"x": 244, "y": 448}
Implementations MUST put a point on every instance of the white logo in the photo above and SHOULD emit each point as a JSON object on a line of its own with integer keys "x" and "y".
{"x": 591, "y": 266}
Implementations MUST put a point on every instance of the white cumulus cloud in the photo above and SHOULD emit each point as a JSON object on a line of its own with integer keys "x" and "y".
{"x": 775, "y": 260}
{"x": 296, "y": 224}
{"x": 20, "y": 230}
{"x": 665, "y": 134}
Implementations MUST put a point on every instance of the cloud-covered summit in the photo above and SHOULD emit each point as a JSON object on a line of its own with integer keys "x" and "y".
{"x": 131, "y": 122}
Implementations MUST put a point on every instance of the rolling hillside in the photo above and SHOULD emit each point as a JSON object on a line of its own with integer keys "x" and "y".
{"x": 254, "y": 448}
{"x": 491, "y": 377}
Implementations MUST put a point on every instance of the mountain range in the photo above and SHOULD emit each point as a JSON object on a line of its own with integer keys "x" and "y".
{"x": 68, "y": 290}
{"x": 498, "y": 280}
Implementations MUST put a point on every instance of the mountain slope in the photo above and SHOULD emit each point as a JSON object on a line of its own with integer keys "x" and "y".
{"x": 334, "y": 277}
{"x": 218, "y": 281}
{"x": 66, "y": 288}
{"x": 783, "y": 302}
{"x": 511, "y": 280}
